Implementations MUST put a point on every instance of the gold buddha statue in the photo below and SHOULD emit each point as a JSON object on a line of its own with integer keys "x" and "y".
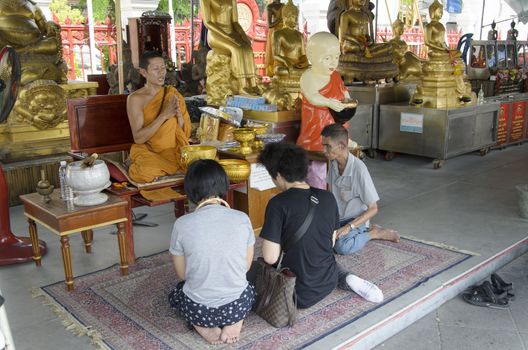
{"x": 289, "y": 53}
{"x": 227, "y": 38}
{"x": 274, "y": 18}
{"x": 361, "y": 57}
{"x": 408, "y": 63}
{"x": 37, "y": 42}
{"x": 443, "y": 84}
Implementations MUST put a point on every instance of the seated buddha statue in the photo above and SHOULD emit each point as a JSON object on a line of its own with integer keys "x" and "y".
{"x": 38, "y": 42}
{"x": 443, "y": 83}
{"x": 227, "y": 38}
{"x": 361, "y": 57}
{"x": 408, "y": 63}
{"x": 289, "y": 54}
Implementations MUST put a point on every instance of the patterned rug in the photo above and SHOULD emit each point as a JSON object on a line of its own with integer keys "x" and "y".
{"x": 132, "y": 312}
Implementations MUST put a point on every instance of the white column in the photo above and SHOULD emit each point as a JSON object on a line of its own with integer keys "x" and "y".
{"x": 171, "y": 34}
{"x": 314, "y": 11}
{"x": 91, "y": 33}
{"x": 44, "y": 7}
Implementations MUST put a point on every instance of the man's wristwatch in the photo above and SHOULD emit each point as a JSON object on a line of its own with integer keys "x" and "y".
{"x": 352, "y": 226}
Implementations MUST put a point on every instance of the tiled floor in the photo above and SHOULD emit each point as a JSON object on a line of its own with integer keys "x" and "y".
{"x": 470, "y": 203}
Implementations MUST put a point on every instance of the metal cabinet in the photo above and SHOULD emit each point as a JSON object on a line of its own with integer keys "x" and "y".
{"x": 437, "y": 133}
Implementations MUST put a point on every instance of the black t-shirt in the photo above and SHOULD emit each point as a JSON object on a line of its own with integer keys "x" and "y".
{"x": 311, "y": 258}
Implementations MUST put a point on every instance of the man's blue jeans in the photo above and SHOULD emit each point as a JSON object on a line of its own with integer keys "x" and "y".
{"x": 353, "y": 240}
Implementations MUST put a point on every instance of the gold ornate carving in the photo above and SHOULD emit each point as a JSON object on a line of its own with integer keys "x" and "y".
{"x": 41, "y": 104}
{"x": 219, "y": 82}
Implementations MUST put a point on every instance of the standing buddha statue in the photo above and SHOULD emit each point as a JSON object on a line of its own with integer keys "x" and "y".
{"x": 512, "y": 33}
{"x": 443, "y": 84}
{"x": 361, "y": 57}
{"x": 275, "y": 22}
{"x": 492, "y": 33}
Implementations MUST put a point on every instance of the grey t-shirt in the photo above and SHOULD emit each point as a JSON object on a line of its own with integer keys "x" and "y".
{"x": 214, "y": 241}
{"x": 354, "y": 190}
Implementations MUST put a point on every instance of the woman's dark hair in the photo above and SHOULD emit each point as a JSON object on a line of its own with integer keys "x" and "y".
{"x": 204, "y": 179}
{"x": 286, "y": 159}
{"x": 146, "y": 56}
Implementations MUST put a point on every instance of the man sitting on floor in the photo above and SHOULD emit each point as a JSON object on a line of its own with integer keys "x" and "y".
{"x": 159, "y": 121}
{"x": 356, "y": 196}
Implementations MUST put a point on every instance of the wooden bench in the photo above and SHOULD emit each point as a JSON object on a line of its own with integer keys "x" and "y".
{"x": 99, "y": 124}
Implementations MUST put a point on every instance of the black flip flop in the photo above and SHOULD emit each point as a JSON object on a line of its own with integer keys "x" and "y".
{"x": 483, "y": 296}
{"x": 500, "y": 287}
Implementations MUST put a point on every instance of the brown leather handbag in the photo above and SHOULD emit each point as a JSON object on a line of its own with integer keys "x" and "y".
{"x": 275, "y": 286}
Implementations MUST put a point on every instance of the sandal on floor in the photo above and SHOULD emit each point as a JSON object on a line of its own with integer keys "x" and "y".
{"x": 483, "y": 296}
{"x": 500, "y": 286}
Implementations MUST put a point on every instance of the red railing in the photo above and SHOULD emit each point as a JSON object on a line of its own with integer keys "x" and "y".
{"x": 76, "y": 49}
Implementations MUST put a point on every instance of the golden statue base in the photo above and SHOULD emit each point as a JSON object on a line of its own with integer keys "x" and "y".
{"x": 22, "y": 139}
{"x": 440, "y": 88}
{"x": 273, "y": 117}
{"x": 379, "y": 69}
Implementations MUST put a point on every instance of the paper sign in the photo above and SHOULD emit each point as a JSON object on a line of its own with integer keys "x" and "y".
{"x": 411, "y": 122}
{"x": 260, "y": 179}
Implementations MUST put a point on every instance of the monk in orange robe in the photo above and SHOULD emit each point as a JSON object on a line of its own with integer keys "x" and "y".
{"x": 315, "y": 118}
{"x": 159, "y": 121}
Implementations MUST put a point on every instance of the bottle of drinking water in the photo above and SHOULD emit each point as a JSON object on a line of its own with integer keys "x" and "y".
{"x": 480, "y": 96}
{"x": 66, "y": 191}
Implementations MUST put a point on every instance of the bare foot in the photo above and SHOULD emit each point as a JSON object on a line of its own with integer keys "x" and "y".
{"x": 231, "y": 334}
{"x": 211, "y": 335}
{"x": 385, "y": 234}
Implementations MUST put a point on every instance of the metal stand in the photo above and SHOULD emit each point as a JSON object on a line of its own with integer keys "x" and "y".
{"x": 137, "y": 220}
{"x": 13, "y": 250}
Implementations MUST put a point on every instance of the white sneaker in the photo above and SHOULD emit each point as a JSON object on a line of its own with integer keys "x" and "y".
{"x": 365, "y": 289}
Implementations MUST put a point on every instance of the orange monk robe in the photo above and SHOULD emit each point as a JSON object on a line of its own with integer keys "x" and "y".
{"x": 160, "y": 155}
{"x": 315, "y": 118}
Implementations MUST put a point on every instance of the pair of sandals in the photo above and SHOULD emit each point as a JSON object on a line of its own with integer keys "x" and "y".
{"x": 496, "y": 294}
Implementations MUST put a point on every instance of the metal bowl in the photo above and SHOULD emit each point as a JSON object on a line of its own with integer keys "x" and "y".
{"x": 236, "y": 169}
{"x": 346, "y": 114}
{"x": 191, "y": 153}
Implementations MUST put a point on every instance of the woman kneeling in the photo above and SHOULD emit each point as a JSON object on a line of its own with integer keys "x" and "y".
{"x": 212, "y": 250}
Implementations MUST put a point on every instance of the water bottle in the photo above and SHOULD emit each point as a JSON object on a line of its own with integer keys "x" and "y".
{"x": 66, "y": 191}
{"x": 480, "y": 96}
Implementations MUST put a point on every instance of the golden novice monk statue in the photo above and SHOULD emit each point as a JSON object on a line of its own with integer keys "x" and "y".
{"x": 408, "y": 63}
{"x": 274, "y": 17}
{"x": 227, "y": 38}
{"x": 361, "y": 57}
{"x": 37, "y": 42}
{"x": 443, "y": 84}
{"x": 159, "y": 122}
{"x": 289, "y": 51}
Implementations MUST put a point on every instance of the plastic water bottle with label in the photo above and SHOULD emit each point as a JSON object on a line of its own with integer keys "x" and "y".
{"x": 480, "y": 96}
{"x": 66, "y": 191}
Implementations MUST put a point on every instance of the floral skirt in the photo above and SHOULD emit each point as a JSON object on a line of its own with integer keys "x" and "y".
{"x": 204, "y": 316}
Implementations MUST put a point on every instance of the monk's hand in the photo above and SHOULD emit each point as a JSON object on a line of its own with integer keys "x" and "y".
{"x": 178, "y": 113}
{"x": 336, "y": 105}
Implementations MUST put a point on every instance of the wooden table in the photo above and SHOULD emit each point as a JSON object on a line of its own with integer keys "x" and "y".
{"x": 63, "y": 218}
